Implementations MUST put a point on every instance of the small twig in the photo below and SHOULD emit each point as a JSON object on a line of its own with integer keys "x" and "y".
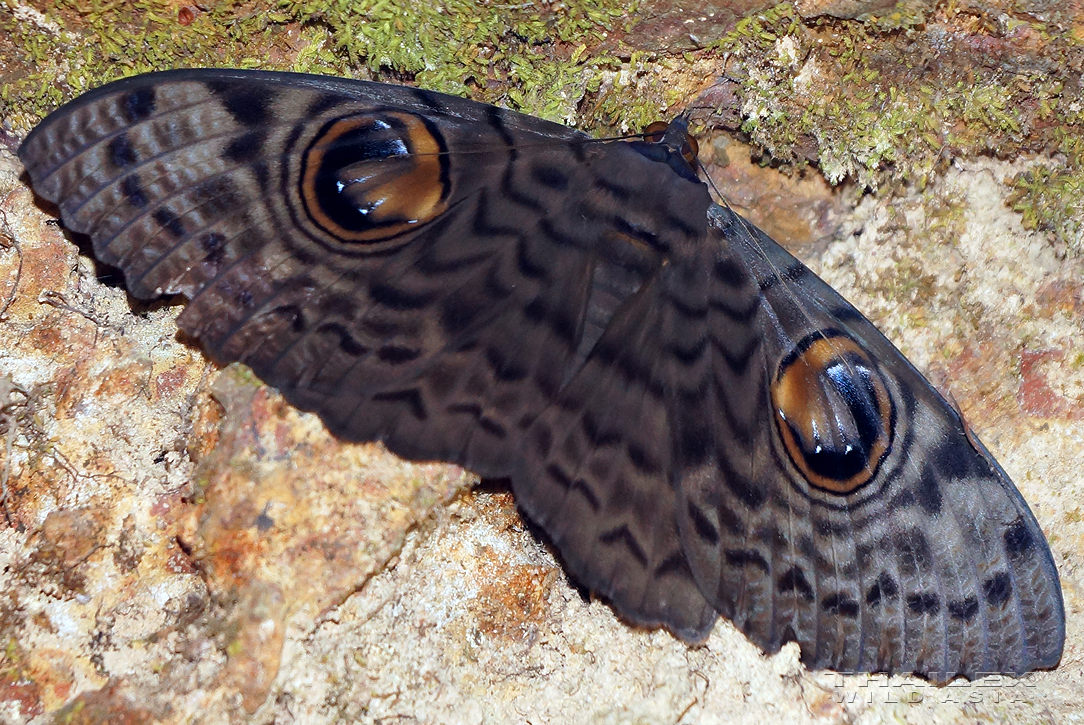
{"x": 8, "y": 440}
{"x": 60, "y": 302}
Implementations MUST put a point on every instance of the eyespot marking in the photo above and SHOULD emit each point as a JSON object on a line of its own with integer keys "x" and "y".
{"x": 833, "y": 412}
{"x": 370, "y": 177}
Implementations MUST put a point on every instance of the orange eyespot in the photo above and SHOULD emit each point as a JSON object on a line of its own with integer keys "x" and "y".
{"x": 833, "y": 412}
{"x": 370, "y": 177}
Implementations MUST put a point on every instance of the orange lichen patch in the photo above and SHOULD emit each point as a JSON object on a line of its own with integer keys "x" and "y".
{"x": 978, "y": 376}
{"x": 58, "y": 563}
{"x": 91, "y": 378}
{"x": 293, "y": 521}
{"x": 509, "y": 592}
{"x": 179, "y": 563}
{"x": 170, "y": 381}
{"x": 72, "y": 535}
{"x": 68, "y": 390}
{"x": 207, "y": 417}
{"x": 163, "y": 506}
{"x": 123, "y": 381}
{"x": 1060, "y": 295}
{"x": 512, "y": 601}
{"x": 1036, "y": 395}
{"x": 58, "y": 673}
{"x": 797, "y": 209}
{"x": 84, "y": 574}
{"x": 37, "y": 487}
{"x": 47, "y": 335}
{"x": 46, "y": 270}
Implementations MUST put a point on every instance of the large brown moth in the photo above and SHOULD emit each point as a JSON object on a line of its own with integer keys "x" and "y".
{"x": 699, "y": 423}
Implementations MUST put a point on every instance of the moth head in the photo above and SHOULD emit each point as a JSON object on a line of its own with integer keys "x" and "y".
{"x": 675, "y": 136}
{"x": 671, "y": 144}
{"x": 833, "y": 412}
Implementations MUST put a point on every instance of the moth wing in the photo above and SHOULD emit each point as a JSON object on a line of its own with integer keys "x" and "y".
{"x": 924, "y": 558}
{"x": 415, "y": 268}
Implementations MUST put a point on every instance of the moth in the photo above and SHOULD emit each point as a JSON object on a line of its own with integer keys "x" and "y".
{"x": 700, "y": 424}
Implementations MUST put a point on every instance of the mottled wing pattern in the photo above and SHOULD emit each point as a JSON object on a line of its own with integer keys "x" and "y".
{"x": 886, "y": 540}
{"x": 697, "y": 422}
{"x": 415, "y": 268}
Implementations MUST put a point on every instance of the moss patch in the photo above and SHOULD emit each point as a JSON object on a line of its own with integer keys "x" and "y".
{"x": 1052, "y": 200}
{"x": 530, "y": 57}
{"x": 895, "y": 97}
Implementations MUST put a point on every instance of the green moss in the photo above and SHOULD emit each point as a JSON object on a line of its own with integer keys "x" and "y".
{"x": 634, "y": 94}
{"x": 1052, "y": 199}
{"x": 78, "y": 44}
{"x": 760, "y": 30}
{"x": 528, "y": 57}
{"x": 521, "y": 55}
{"x": 906, "y": 16}
{"x": 863, "y": 101}
{"x": 13, "y": 662}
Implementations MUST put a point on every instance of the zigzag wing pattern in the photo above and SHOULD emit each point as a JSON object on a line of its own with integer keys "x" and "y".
{"x": 699, "y": 423}
{"x": 415, "y": 268}
{"x": 919, "y": 555}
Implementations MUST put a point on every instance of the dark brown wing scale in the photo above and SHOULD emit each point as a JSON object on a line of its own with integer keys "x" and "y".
{"x": 697, "y": 421}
